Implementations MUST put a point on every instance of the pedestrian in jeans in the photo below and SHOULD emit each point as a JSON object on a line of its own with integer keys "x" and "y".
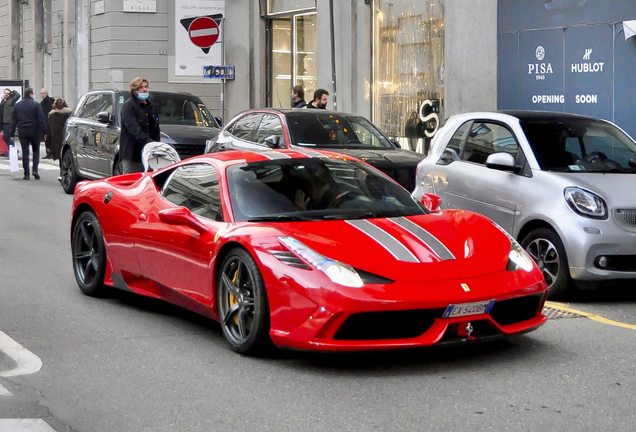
{"x": 28, "y": 118}
{"x": 6, "y": 110}
{"x": 139, "y": 126}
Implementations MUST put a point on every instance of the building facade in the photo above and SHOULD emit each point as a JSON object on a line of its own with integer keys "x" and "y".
{"x": 386, "y": 59}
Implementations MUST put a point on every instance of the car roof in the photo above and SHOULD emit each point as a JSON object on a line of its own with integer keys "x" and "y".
{"x": 307, "y": 111}
{"x": 127, "y": 93}
{"x": 524, "y": 115}
{"x": 228, "y": 158}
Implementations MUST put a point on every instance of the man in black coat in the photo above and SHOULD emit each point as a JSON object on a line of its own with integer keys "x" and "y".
{"x": 28, "y": 118}
{"x": 139, "y": 126}
{"x": 47, "y": 105}
{"x": 321, "y": 97}
{"x": 298, "y": 97}
{"x": 6, "y": 111}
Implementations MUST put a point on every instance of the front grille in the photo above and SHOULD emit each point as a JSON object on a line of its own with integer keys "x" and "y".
{"x": 626, "y": 219}
{"x": 388, "y": 325}
{"x": 625, "y": 263}
{"x": 516, "y": 310}
{"x": 290, "y": 259}
{"x": 189, "y": 150}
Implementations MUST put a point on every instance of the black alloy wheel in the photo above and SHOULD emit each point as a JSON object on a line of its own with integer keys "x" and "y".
{"x": 69, "y": 172}
{"x": 546, "y": 249}
{"x": 242, "y": 303}
{"x": 89, "y": 254}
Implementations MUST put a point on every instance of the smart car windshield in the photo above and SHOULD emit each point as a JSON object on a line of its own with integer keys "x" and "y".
{"x": 313, "y": 128}
{"x": 314, "y": 189}
{"x": 580, "y": 145}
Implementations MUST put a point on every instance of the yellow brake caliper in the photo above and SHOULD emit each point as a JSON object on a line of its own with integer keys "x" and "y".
{"x": 233, "y": 300}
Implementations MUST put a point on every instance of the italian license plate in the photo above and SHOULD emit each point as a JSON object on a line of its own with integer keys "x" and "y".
{"x": 465, "y": 309}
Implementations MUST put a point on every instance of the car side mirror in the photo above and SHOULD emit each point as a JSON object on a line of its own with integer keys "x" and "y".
{"x": 502, "y": 161}
{"x": 272, "y": 141}
{"x": 448, "y": 156}
{"x": 181, "y": 216}
{"x": 103, "y": 117}
{"x": 431, "y": 201}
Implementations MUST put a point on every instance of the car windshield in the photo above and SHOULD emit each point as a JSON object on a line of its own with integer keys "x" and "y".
{"x": 314, "y": 128}
{"x": 315, "y": 189}
{"x": 181, "y": 109}
{"x": 580, "y": 145}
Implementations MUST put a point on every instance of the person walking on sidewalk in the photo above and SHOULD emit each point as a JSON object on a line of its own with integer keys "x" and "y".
{"x": 55, "y": 129}
{"x": 321, "y": 97}
{"x": 47, "y": 105}
{"x": 6, "y": 110}
{"x": 139, "y": 126}
{"x": 28, "y": 118}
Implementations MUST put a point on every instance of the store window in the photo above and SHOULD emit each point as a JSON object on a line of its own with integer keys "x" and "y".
{"x": 409, "y": 70}
{"x": 293, "y": 57}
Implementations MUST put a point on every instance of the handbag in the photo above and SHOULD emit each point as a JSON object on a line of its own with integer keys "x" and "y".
{"x": 13, "y": 159}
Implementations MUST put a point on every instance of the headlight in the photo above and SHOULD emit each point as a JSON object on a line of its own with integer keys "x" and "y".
{"x": 518, "y": 259}
{"x": 338, "y": 272}
{"x": 585, "y": 203}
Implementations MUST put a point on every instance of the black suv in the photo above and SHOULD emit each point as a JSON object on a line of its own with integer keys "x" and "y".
{"x": 91, "y": 135}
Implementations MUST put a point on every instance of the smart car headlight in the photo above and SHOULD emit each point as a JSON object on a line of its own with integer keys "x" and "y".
{"x": 338, "y": 272}
{"x": 518, "y": 259}
{"x": 585, "y": 203}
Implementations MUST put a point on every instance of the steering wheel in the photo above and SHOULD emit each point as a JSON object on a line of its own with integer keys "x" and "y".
{"x": 339, "y": 200}
{"x": 595, "y": 157}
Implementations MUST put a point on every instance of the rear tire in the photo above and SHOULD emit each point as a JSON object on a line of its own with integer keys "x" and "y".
{"x": 242, "y": 304}
{"x": 546, "y": 249}
{"x": 69, "y": 174}
{"x": 89, "y": 254}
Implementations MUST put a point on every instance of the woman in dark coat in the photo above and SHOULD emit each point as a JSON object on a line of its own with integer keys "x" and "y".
{"x": 55, "y": 134}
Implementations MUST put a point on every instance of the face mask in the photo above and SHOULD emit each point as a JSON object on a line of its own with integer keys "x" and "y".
{"x": 143, "y": 96}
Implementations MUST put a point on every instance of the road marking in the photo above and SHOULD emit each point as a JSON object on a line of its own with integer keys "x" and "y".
{"x": 27, "y": 362}
{"x": 4, "y": 391}
{"x": 594, "y": 317}
{"x": 24, "y": 425}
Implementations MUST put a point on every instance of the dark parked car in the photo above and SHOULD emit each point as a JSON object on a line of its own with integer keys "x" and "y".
{"x": 91, "y": 138}
{"x": 307, "y": 129}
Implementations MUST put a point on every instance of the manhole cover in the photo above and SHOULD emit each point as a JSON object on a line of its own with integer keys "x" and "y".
{"x": 553, "y": 313}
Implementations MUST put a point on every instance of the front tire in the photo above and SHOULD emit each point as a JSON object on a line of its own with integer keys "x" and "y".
{"x": 69, "y": 174}
{"x": 242, "y": 303}
{"x": 546, "y": 249}
{"x": 89, "y": 254}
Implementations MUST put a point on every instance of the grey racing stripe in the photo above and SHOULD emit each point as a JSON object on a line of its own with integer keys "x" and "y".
{"x": 425, "y": 237}
{"x": 273, "y": 155}
{"x": 308, "y": 153}
{"x": 386, "y": 240}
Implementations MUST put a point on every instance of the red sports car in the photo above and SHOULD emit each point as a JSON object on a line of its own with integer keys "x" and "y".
{"x": 305, "y": 249}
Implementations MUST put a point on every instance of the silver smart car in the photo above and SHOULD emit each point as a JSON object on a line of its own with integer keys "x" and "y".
{"x": 563, "y": 185}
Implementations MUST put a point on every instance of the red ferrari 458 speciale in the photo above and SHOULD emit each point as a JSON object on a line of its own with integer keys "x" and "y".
{"x": 306, "y": 249}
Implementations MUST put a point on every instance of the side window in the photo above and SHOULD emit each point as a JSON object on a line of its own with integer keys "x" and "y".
{"x": 195, "y": 187}
{"x": 244, "y": 126}
{"x": 270, "y": 125}
{"x": 488, "y": 138}
{"x": 456, "y": 141}
{"x": 105, "y": 104}
{"x": 88, "y": 111}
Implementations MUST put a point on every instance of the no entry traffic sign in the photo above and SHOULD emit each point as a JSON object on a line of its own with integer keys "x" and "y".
{"x": 203, "y": 31}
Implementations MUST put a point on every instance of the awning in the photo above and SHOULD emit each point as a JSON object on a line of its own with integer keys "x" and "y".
{"x": 629, "y": 27}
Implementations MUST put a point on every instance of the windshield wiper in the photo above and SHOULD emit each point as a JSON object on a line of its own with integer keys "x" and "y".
{"x": 281, "y": 218}
{"x": 350, "y": 215}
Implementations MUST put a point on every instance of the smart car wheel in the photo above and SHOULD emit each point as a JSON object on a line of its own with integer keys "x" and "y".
{"x": 242, "y": 303}
{"x": 69, "y": 173}
{"x": 89, "y": 254}
{"x": 546, "y": 249}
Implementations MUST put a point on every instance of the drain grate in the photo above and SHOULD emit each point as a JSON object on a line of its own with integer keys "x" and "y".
{"x": 553, "y": 313}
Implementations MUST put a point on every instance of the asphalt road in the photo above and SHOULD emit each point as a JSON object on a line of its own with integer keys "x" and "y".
{"x": 126, "y": 363}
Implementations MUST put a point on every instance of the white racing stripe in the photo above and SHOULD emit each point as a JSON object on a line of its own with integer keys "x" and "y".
{"x": 24, "y": 425}
{"x": 384, "y": 239}
{"x": 27, "y": 362}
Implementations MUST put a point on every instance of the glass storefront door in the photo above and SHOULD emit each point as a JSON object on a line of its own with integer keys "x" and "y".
{"x": 293, "y": 57}
{"x": 408, "y": 55}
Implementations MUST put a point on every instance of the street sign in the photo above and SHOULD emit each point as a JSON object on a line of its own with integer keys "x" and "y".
{"x": 218, "y": 72}
{"x": 203, "y": 31}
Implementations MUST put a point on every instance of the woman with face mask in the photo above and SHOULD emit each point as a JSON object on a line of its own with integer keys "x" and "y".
{"x": 139, "y": 126}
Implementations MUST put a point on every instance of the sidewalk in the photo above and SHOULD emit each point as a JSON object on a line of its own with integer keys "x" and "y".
{"x": 42, "y": 161}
